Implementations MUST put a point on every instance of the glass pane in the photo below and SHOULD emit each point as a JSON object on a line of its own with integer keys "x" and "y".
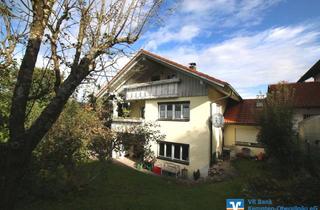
{"x": 169, "y": 111}
{"x": 177, "y": 152}
{"x": 161, "y": 149}
{"x": 177, "y": 111}
{"x": 169, "y": 150}
{"x": 162, "y": 108}
{"x": 186, "y": 111}
{"x": 185, "y": 152}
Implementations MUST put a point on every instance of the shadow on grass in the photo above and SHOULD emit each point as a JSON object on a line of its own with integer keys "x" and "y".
{"x": 111, "y": 186}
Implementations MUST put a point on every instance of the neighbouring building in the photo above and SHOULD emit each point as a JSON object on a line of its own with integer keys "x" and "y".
{"x": 241, "y": 123}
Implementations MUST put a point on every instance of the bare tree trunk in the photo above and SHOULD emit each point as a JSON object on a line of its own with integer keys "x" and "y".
{"x": 16, "y": 164}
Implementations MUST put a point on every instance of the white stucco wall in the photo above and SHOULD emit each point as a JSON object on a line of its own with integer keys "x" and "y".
{"x": 309, "y": 129}
{"x": 194, "y": 132}
{"x": 299, "y": 115}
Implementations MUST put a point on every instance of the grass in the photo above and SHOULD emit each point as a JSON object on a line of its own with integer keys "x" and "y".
{"x": 118, "y": 187}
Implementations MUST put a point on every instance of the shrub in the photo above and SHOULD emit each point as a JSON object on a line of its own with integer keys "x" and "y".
{"x": 276, "y": 133}
{"x": 196, "y": 175}
{"x": 56, "y": 159}
{"x": 139, "y": 138}
{"x": 101, "y": 145}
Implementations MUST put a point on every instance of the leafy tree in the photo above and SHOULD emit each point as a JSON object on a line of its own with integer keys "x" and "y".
{"x": 139, "y": 138}
{"x": 82, "y": 37}
{"x": 276, "y": 133}
{"x": 63, "y": 149}
{"x": 101, "y": 145}
{"x": 42, "y": 84}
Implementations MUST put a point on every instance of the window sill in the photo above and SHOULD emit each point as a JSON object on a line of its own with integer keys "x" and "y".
{"x": 174, "y": 160}
{"x": 179, "y": 120}
{"x": 248, "y": 144}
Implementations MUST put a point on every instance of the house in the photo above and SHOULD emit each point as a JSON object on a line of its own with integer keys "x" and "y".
{"x": 182, "y": 100}
{"x": 241, "y": 125}
{"x": 188, "y": 105}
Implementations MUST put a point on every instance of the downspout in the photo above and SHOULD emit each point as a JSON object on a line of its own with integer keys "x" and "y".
{"x": 210, "y": 124}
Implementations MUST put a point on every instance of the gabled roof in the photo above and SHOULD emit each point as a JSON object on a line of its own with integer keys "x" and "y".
{"x": 314, "y": 70}
{"x": 172, "y": 64}
{"x": 185, "y": 68}
{"x": 305, "y": 95}
{"x": 243, "y": 112}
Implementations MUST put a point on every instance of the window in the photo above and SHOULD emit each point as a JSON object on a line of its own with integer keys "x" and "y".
{"x": 305, "y": 116}
{"x": 171, "y": 76}
{"x": 162, "y": 111}
{"x": 155, "y": 78}
{"x": 174, "y": 111}
{"x": 169, "y": 111}
{"x": 161, "y": 149}
{"x": 174, "y": 152}
{"x": 177, "y": 111}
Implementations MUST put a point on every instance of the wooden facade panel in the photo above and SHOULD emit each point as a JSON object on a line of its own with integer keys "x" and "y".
{"x": 183, "y": 86}
{"x": 152, "y": 91}
{"x": 191, "y": 87}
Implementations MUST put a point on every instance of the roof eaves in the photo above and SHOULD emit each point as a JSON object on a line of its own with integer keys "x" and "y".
{"x": 310, "y": 72}
{"x": 105, "y": 87}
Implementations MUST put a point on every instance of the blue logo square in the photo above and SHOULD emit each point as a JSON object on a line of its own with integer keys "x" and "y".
{"x": 235, "y": 204}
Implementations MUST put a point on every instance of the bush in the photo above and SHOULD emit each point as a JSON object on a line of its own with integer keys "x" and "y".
{"x": 54, "y": 167}
{"x": 101, "y": 145}
{"x": 139, "y": 138}
{"x": 276, "y": 133}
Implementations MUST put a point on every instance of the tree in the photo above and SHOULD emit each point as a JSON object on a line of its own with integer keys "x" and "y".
{"x": 139, "y": 138}
{"x": 82, "y": 37}
{"x": 276, "y": 133}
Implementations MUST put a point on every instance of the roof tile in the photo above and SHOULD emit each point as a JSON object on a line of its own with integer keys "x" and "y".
{"x": 305, "y": 95}
{"x": 243, "y": 112}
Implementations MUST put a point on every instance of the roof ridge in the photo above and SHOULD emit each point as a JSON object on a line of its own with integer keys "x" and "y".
{"x": 181, "y": 66}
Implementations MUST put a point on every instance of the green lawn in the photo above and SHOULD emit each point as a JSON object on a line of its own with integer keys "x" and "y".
{"x": 118, "y": 187}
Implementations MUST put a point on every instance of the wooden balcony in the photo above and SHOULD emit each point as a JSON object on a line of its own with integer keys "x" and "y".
{"x": 125, "y": 124}
{"x": 158, "y": 89}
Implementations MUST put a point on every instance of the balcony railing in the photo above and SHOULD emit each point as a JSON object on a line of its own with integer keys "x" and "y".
{"x": 156, "y": 89}
{"x": 125, "y": 124}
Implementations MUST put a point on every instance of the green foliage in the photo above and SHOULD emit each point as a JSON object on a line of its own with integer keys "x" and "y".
{"x": 7, "y": 81}
{"x": 100, "y": 145}
{"x": 276, "y": 133}
{"x": 104, "y": 108}
{"x": 196, "y": 175}
{"x": 139, "y": 138}
{"x": 56, "y": 159}
{"x": 40, "y": 94}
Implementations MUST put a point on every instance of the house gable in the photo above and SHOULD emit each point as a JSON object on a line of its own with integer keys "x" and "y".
{"x": 136, "y": 78}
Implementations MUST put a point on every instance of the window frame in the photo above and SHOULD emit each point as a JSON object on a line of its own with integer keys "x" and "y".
{"x": 174, "y": 104}
{"x": 172, "y": 156}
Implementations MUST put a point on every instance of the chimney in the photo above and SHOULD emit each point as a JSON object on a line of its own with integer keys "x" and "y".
{"x": 259, "y": 101}
{"x": 193, "y": 66}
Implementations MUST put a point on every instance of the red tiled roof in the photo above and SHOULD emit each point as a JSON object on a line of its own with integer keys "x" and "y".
{"x": 243, "y": 112}
{"x": 165, "y": 60}
{"x": 305, "y": 95}
{"x": 185, "y": 68}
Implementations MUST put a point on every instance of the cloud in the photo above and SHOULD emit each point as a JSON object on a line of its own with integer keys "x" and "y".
{"x": 165, "y": 35}
{"x": 227, "y": 13}
{"x": 193, "y": 18}
{"x": 249, "y": 61}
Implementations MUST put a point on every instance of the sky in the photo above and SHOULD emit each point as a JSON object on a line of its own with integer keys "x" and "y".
{"x": 247, "y": 43}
